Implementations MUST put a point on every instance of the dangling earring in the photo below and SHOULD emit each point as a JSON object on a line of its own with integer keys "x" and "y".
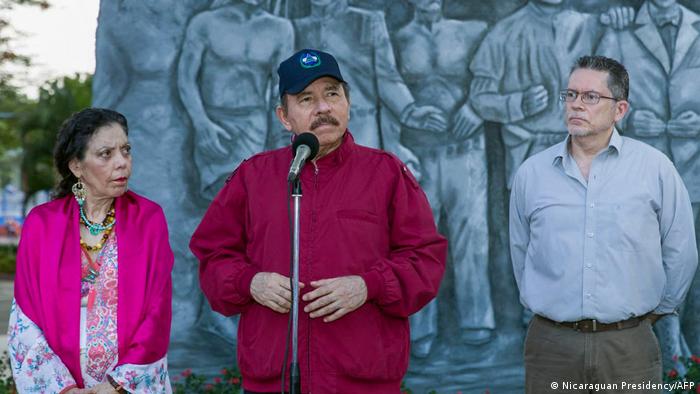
{"x": 79, "y": 192}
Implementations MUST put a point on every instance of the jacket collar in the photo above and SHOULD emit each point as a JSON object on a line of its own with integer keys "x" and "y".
{"x": 649, "y": 36}
{"x": 340, "y": 154}
{"x": 336, "y": 157}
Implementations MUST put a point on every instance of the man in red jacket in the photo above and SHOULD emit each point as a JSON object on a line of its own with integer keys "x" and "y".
{"x": 370, "y": 254}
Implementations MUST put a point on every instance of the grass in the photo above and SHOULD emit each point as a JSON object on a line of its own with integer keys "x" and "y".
{"x": 7, "y": 259}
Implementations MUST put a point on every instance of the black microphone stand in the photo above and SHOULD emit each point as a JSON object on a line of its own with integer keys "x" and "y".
{"x": 294, "y": 375}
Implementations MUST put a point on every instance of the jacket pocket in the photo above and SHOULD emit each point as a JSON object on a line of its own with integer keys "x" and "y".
{"x": 368, "y": 345}
{"x": 261, "y": 337}
{"x": 363, "y": 235}
{"x": 359, "y": 215}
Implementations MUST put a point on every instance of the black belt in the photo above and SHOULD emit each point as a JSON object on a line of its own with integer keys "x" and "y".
{"x": 592, "y": 325}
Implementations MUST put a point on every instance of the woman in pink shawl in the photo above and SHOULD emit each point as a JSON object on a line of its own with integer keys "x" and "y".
{"x": 93, "y": 288}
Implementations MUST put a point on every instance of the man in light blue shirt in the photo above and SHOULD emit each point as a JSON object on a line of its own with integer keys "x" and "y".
{"x": 602, "y": 242}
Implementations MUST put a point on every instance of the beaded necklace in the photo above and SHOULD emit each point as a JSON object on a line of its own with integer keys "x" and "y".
{"x": 90, "y": 272}
{"x": 98, "y": 245}
{"x": 96, "y": 228}
{"x": 92, "y": 269}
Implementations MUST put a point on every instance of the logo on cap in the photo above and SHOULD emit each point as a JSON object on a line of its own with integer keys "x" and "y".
{"x": 310, "y": 60}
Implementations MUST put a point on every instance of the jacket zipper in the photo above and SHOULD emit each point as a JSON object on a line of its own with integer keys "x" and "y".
{"x": 315, "y": 174}
{"x": 309, "y": 323}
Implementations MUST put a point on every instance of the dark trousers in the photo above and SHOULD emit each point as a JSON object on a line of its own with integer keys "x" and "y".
{"x": 562, "y": 360}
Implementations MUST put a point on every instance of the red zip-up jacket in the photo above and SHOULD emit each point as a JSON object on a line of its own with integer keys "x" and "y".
{"x": 362, "y": 213}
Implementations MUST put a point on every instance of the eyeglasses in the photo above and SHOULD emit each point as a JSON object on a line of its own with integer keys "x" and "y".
{"x": 591, "y": 97}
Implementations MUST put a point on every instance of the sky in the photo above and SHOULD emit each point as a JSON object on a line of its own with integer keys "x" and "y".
{"x": 60, "y": 40}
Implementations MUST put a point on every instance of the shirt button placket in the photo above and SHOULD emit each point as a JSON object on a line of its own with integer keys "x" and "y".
{"x": 589, "y": 249}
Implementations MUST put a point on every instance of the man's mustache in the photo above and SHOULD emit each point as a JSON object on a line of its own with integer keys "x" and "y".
{"x": 578, "y": 115}
{"x": 324, "y": 119}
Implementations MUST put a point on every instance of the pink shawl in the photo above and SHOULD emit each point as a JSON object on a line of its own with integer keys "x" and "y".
{"x": 47, "y": 283}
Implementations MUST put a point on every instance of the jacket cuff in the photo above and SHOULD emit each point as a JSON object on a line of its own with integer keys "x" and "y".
{"x": 514, "y": 103}
{"x": 244, "y": 279}
{"x": 373, "y": 280}
{"x": 406, "y": 113}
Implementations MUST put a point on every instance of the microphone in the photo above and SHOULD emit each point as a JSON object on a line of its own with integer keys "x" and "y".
{"x": 305, "y": 148}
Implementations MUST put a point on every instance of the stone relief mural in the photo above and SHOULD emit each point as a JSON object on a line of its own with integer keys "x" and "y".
{"x": 462, "y": 91}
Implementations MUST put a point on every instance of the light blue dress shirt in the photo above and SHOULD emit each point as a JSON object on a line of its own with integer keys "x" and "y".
{"x": 616, "y": 246}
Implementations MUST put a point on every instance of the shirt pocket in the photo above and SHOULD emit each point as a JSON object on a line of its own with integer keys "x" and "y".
{"x": 628, "y": 224}
{"x": 362, "y": 236}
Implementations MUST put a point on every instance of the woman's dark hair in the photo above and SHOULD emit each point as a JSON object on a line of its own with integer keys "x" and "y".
{"x": 73, "y": 138}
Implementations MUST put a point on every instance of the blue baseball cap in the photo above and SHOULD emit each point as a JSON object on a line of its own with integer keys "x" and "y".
{"x": 304, "y": 67}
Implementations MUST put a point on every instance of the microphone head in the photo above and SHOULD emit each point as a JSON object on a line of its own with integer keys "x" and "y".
{"x": 309, "y": 140}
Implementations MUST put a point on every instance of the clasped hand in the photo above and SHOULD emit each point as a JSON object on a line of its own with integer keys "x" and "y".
{"x": 648, "y": 124}
{"x": 330, "y": 298}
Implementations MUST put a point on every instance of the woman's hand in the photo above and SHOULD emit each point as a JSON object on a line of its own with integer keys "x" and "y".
{"x": 78, "y": 391}
{"x": 103, "y": 388}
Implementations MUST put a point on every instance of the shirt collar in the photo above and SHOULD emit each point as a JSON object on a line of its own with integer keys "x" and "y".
{"x": 562, "y": 149}
{"x": 662, "y": 18}
{"x": 330, "y": 10}
{"x": 616, "y": 141}
{"x": 543, "y": 11}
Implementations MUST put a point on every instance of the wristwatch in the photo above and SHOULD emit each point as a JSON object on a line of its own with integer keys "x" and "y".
{"x": 117, "y": 387}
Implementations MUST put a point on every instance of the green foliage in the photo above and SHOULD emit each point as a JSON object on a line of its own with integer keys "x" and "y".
{"x": 12, "y": 101}
{"x": 38, "y": 126}
{"x": 8, "y": 34}
{"x": 229, "y": 382}
{"x": 682, "y": 382}
{"x": 7, "y": 384}
{"x": 8, "y": 255}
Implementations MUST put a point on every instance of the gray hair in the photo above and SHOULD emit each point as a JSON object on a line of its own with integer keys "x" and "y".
{"x": 618, "y": 79}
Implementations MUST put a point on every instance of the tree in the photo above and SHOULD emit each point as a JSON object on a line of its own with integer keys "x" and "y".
{"x": 12, "y": 101}
{"x": 38, "y": 125}
{"x": 8, "y": 33}
{"x": 32, "y": 125}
